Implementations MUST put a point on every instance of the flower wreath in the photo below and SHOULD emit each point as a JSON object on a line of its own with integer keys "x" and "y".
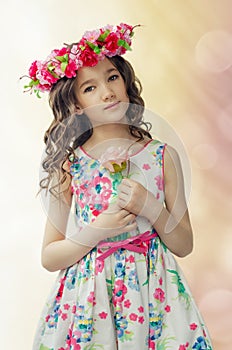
{"x": 94, "y": 46}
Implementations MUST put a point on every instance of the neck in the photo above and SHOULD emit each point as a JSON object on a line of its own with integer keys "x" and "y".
{"x": 109, "y": 132}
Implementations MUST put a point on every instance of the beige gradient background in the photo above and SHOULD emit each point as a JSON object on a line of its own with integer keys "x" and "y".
{"x": 183, "y": 56}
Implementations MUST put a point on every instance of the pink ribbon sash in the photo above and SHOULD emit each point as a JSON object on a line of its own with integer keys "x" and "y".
{"x": 135, "y": 244}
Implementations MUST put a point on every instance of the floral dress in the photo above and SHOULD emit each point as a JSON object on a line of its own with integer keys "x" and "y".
{"x": 128, "y": 292}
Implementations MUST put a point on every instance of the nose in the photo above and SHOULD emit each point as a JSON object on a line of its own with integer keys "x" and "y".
{"x": 107, "y": 93}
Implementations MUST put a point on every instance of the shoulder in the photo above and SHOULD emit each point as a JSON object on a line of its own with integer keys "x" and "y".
{"x": 172, "y": 165}
{"x": 170, "y": 155}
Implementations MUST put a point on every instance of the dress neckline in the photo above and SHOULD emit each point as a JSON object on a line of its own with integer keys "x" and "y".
{"x": 132, "y": 155}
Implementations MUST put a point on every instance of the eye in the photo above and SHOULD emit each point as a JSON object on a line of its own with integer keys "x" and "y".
{"x": 113, "y": 77}
{"x": 89, "y": 88}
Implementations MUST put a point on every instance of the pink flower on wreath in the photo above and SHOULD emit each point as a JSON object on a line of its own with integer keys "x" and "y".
{"x": 33, "y": 70}
{"x": 111, "y": 42}
{"x": 45, "y": 77}
{"x": 71, "y": 69}
{"x": 159, "y": 295}
{"x": 88, "y": 57}
{"x": 92, "y": 35}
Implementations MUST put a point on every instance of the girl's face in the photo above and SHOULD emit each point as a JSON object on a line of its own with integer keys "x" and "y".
{"x": 101, "y": 93}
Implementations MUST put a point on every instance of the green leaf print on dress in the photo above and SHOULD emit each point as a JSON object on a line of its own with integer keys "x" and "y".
{"x": 181, "y": 288}
{"x": 42, "y": 347}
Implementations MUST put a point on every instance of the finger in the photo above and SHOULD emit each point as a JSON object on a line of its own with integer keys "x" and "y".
{"x": 122, "y": 204}
{"x": 124, "y": 196}
{"x": 123, "y": 213}
{"x": 127, "y": 182}
{"x": 124, "y": 189}
{"x": 132, "y": 226}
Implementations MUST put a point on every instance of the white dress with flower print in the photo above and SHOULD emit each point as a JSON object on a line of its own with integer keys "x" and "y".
{"x": 132, "y": 296}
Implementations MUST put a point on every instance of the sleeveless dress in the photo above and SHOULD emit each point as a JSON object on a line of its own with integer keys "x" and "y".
{"x": 128, "y": 292}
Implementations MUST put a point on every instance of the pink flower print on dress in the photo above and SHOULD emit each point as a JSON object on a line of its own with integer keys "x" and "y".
{"x": 127, "y": 303}
{"x": 119, "y": 292}
{"x": 159, "y": 295}
{"x": 167, "y": 308}
{"x": 159, "y": 182}
{"x": 146, "y": 167}
{"x": 133, "y": 317}
{"x": 99, "y": 266}
{"x": 91, "y": 299}
{"x": 103, "y": 315}
{"x": 193, "y": 326}
{"x": 140, "y": 309}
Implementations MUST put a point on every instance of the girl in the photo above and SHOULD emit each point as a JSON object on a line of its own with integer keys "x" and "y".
{"x": 117, "y": 209}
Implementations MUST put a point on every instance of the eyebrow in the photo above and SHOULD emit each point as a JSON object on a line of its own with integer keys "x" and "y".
{"x": 91, "y": 80}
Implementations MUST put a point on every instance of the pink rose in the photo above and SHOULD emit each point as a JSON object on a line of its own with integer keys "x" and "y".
{"x": 111, "y": 42}
{"x": 71, "y": 69}
{"x": 88, "y": 57}
{"x": 114, "y": 159}
{"x": 33, "y": 70}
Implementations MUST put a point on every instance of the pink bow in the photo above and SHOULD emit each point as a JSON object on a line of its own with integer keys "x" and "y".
{"x": 134, "y": 244}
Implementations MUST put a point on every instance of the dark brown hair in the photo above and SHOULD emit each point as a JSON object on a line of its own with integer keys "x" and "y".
{"x": 68, "y": 130}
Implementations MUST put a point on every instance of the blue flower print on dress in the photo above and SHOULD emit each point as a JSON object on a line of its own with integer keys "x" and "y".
{"x": 156, "y": 323}
{"x": 121, "y": 325}
{"x": 133, "y": 281}
{"x": 119, "y": 269}
{"x": 200, "y": 344}
{"x": 71, "y": 278}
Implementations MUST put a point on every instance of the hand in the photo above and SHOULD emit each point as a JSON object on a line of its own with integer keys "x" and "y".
{"x": 114, "y": 221}
{"x": 135, "y": 198}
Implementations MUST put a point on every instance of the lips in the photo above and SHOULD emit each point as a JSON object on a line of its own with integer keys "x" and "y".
{"x": 111, "y": 105}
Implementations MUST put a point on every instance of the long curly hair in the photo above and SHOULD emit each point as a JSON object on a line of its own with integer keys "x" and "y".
{"x": 69, "y": 130}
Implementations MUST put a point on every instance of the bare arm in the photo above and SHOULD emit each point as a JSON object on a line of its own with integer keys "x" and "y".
{"x": 172, "y": 222}
{"x": 57, "y": 251}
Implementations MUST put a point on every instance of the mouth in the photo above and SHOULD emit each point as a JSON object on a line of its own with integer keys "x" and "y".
{"x": 112, "y": 105}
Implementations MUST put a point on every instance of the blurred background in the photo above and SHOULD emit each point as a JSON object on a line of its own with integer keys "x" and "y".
{"x": 183, "y": 57}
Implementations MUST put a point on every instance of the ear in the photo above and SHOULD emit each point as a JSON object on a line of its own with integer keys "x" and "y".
{"x": 79, "y": 110}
